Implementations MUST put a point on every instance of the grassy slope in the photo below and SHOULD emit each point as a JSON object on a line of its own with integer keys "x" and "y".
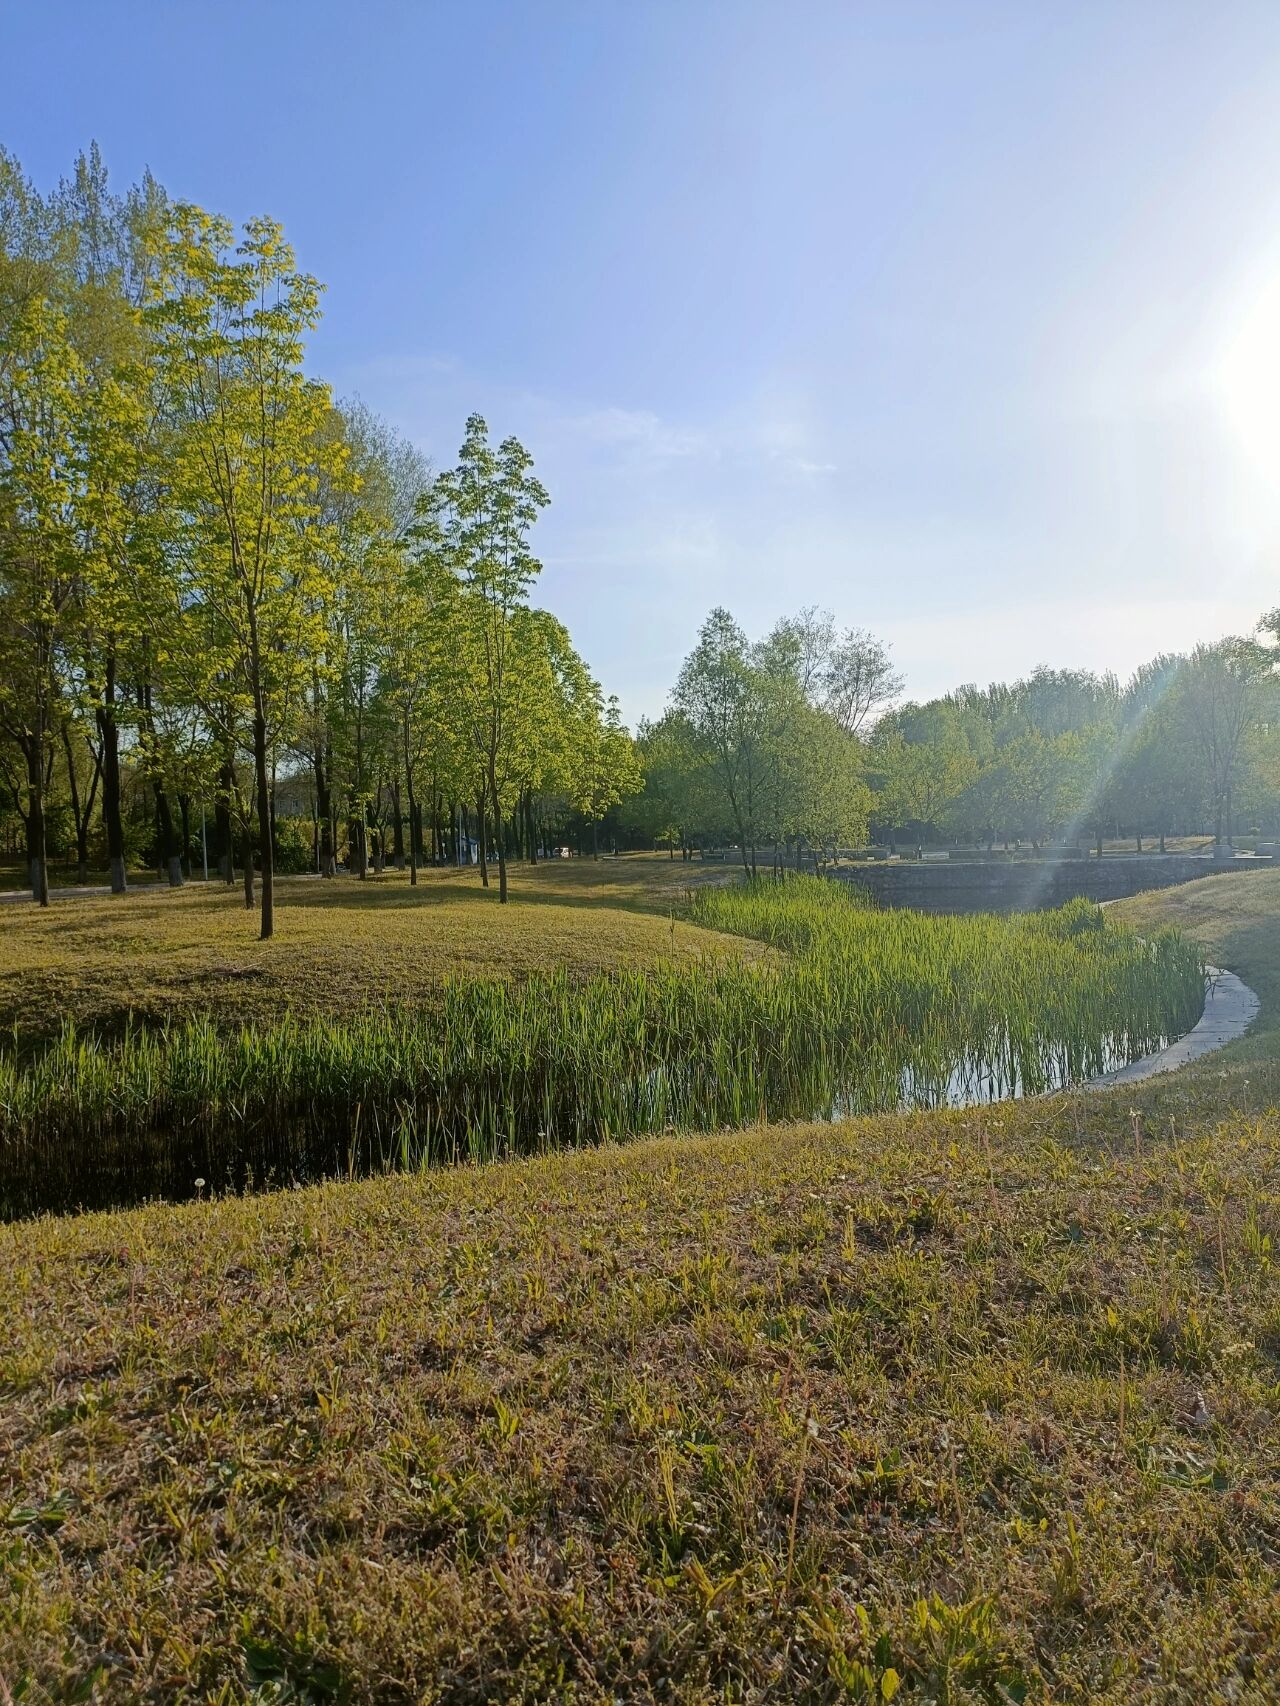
{"x": 1238, "y": 920}
{"x": 653, "y": 1423}
{"x": 339, "y": 946}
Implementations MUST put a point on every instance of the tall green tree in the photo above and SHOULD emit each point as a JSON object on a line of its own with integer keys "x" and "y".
{"x": 681, "y": 796}
{"x": 244, "y": 425}
{"x": 609, "y": 766}
{"x": 1219, "y": 694}
{"x": 480, "y": 515}
{"x": 41, "y": 491}
{"x": 728, "y": 705}
{"x": 107, "y": 245}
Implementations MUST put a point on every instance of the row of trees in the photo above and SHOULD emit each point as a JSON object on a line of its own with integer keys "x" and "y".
{"x": 797, "y": 739}
{"x": 212, "y": 576}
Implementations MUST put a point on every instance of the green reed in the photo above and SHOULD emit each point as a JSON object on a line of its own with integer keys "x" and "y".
{"x": 860, "y": 1010}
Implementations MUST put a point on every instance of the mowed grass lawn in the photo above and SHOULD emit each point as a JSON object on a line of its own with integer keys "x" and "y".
{"x": 341, "y": 946}
{"x": 970, "y": 1406}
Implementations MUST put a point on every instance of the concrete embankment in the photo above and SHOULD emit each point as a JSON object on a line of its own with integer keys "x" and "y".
{"x": 1230, "y": 1007}
{"x": 1026, "y": 885}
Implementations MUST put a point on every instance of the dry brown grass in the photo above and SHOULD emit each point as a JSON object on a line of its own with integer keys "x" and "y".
{"x": 962, "y": 1407}
{"x": 652, "y": 1424}
{"x": 340, "y": 946}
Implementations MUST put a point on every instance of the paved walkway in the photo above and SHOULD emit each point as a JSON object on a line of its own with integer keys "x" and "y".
{"x": 1230, "y": 1007}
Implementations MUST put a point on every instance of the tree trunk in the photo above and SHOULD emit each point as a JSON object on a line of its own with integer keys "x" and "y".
{"x": 81, "y": 811}
{"x": 37, "y": 860}
{"x": 413, "y": 825}
{"x": 268, "y": 924}
{"x": 324, "y": 811}
{"x": 79, "y": 818}
{"x": 397, "y": 827}
{"x": 482, "y": 838}
{"x": 246, "y": 853}
{"x": 222, "y": 827}
{"x": 595, "y": 840}
{"x": 184, "y": 809}
{"x": 170, "y": 862}
{"x": 357, "y": 833}
{"x": 112, "y": 818}
{"x": 499, "y": 840}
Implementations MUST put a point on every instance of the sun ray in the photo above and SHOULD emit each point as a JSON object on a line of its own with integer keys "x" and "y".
{"x": 1247, "y": 378}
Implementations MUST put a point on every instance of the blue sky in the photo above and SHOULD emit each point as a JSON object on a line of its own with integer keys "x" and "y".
{"x": 962, "y": 320}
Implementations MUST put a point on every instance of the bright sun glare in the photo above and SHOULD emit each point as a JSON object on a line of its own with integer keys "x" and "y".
{"x": 1248, "y": 379}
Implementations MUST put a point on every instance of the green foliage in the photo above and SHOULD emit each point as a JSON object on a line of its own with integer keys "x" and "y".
{"x": 295, "y": 848}
{"x": 1065, "y": 752}
{"x": 759, "y": 748}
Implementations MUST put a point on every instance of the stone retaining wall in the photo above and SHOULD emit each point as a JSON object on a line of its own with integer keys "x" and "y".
{"x": 1026, "y": 885}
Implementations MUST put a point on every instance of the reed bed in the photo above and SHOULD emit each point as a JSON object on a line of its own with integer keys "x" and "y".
{"x": 868, "y": 1010}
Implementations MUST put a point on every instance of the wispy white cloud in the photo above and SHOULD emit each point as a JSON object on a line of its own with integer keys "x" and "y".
{"x": 638, "y": 430}
{"x": 805, "y": 467}
{"x": 429, "y": 395}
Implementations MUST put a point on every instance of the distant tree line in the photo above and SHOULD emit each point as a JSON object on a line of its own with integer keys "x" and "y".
{"x": 1190, "y": 745}
{"x": 214, "y": 579}
{"x": 796, "y": 742}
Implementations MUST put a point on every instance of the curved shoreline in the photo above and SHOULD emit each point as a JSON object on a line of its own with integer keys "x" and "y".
{"x": 1230, "y": 1007}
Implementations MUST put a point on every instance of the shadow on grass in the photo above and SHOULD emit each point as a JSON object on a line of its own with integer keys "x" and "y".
{"x": 610, "y": 885}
